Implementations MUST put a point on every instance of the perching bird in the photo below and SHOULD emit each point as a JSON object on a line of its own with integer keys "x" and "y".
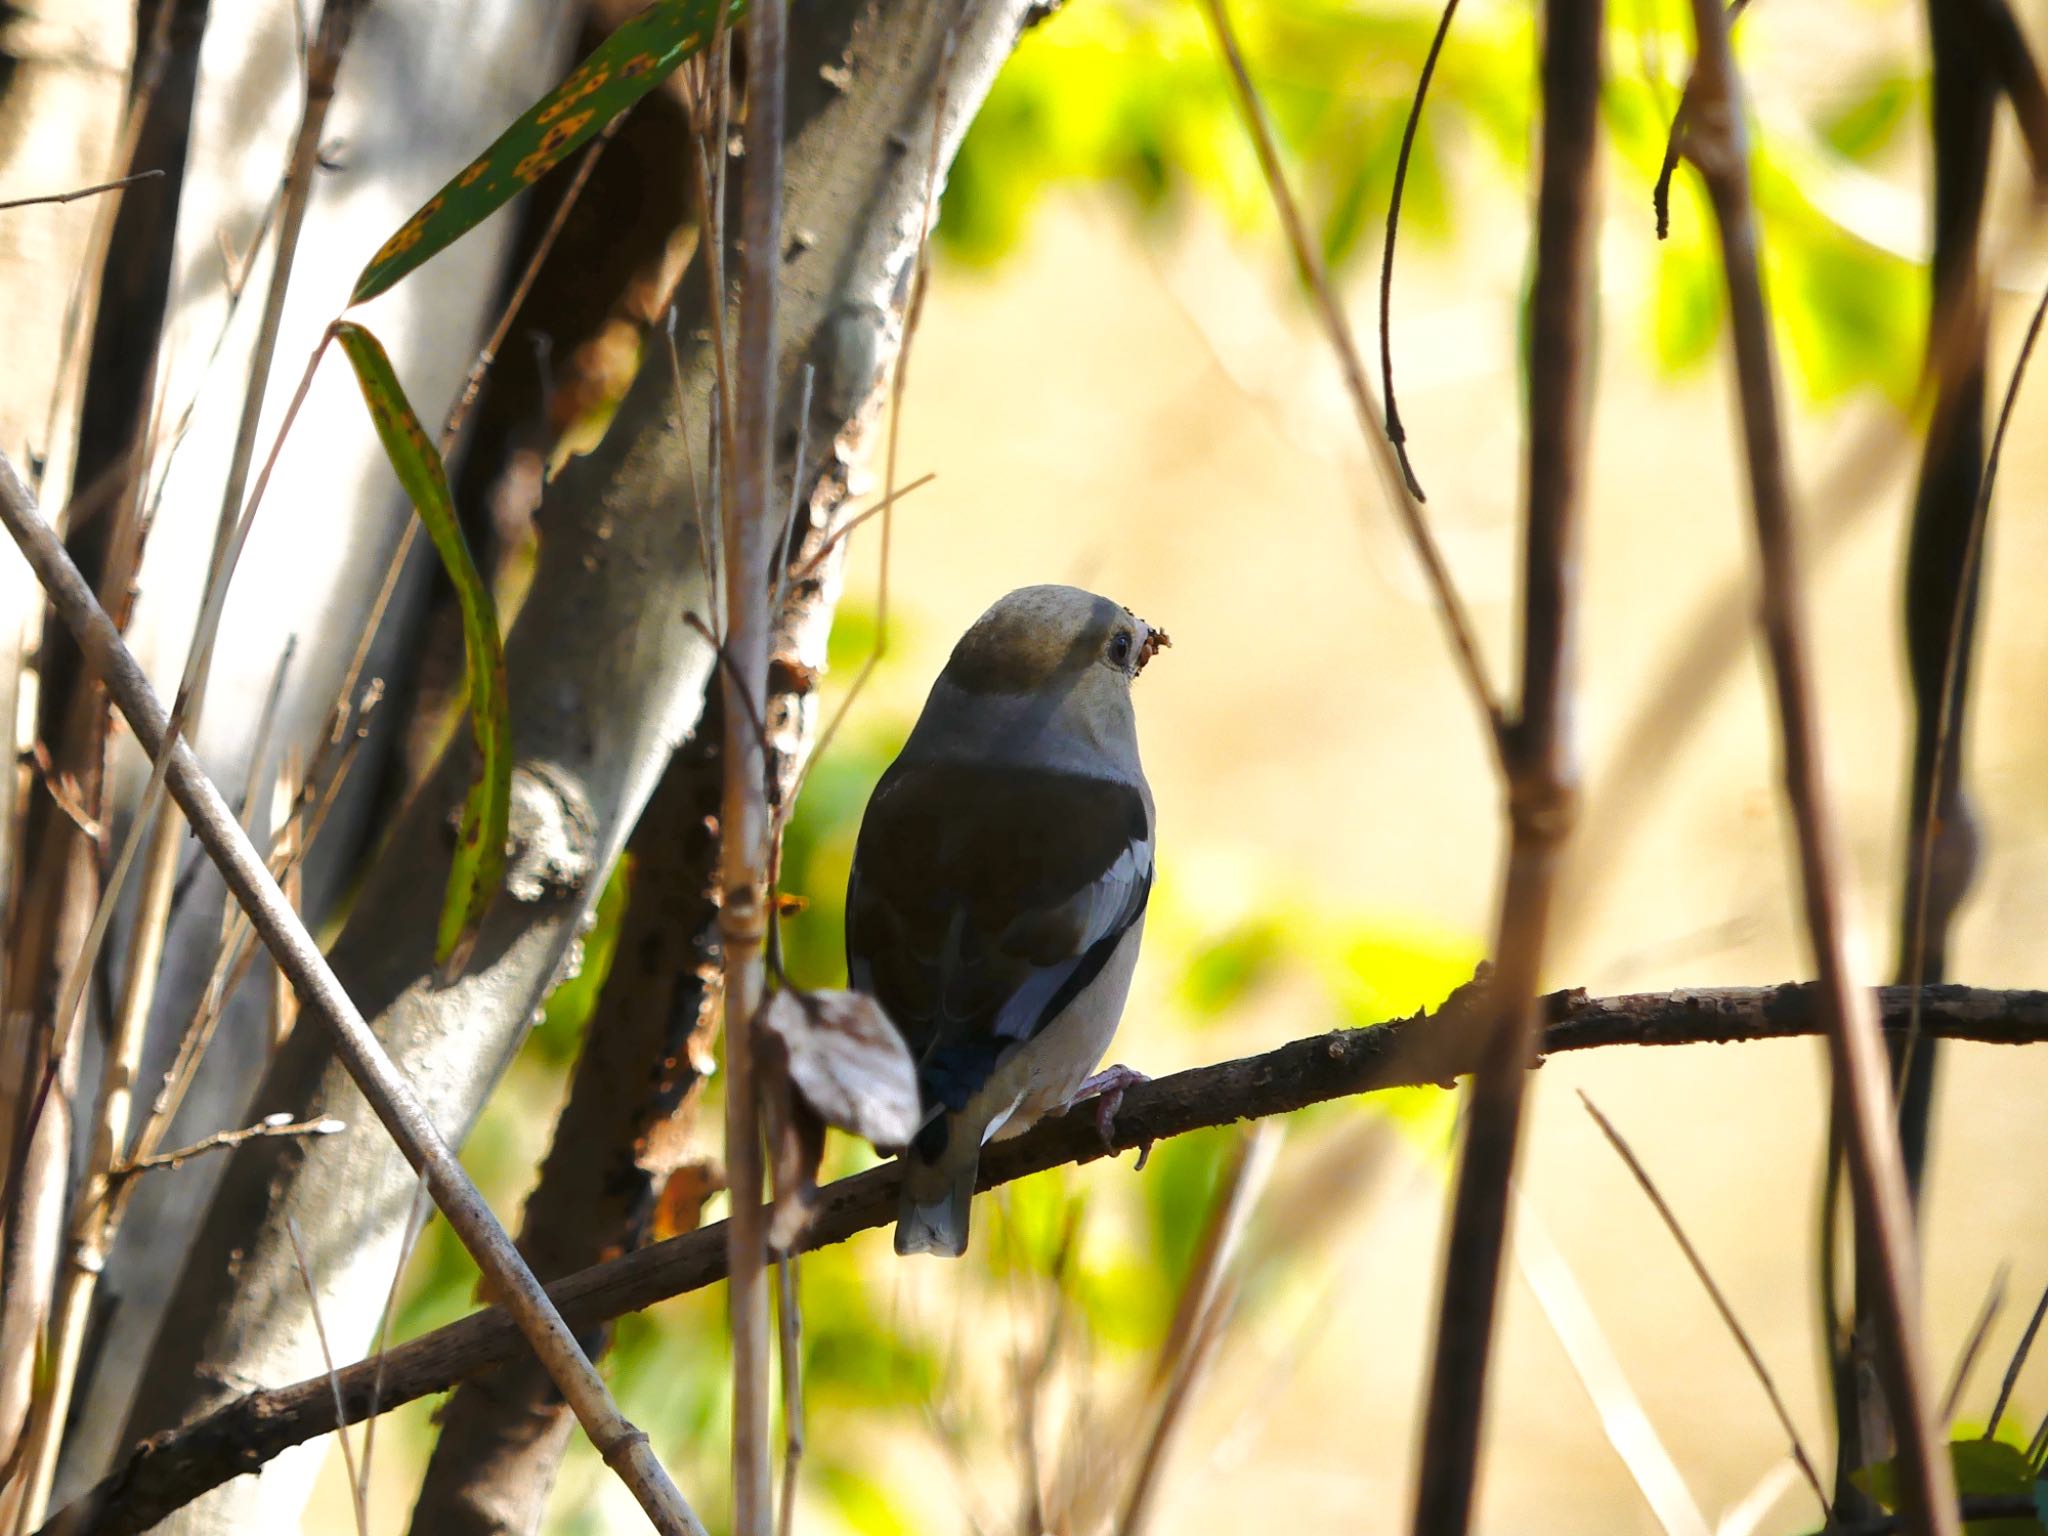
{"x": 999, "y": 885}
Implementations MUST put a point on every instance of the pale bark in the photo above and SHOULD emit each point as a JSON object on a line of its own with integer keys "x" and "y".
{"x": 331, "y": 516}
{"x": 66, "y": 76}
{"x": 606, "y": 677}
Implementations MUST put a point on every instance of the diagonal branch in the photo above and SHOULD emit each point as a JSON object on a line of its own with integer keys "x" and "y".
{"x": 299, "y": 957}
{"x": 1717, "y": 144}
{"x": 1429, "y": 1049}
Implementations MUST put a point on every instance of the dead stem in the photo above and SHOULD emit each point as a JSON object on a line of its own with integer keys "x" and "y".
{"x": 750, "y": 543}
{"x": 1717, "y": 1296}
{"x": 1716, "y": 142}
{"x": 1539, "y": 778}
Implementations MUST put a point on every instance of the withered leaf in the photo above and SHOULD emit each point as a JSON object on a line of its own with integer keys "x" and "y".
{"x": 847, "y": 1062}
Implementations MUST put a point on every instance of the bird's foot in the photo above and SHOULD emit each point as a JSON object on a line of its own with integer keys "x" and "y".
{"x": 1107, "y": 1088}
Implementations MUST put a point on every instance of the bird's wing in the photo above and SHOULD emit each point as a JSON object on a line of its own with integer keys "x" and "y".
{"x": 984, "y": 899}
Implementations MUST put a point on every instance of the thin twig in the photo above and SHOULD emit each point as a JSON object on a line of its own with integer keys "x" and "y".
{"x": 1717, "y": 1296}
{"x": 625, "y": 1448}
{"x": 1717, "y": 143}
{"x": 2014, "y": 1366}
{"x": 74, "y": 196}
{"x": 790, "y": 1318}
{"x": 1538, "y": 777}
{"x": 415, "y": 1223}
{"x": 797, "y": 481}
{"x": 1674, "y": 143}
{"x": 1951, "y": 669}
{"x": 348, "y": 1455}
{"x": 1450, "y": 607}
{"x": 846, "y": 526}
{"x": 750, "y": 546}
{"x": 1427, "y": 1050}
{"x": 1994, "y": 1299}
{"x": 1396, "y": 433}
{"x": 270, "y": 1125}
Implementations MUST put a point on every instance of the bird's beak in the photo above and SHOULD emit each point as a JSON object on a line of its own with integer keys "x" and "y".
{"x": 1156, "y": 640}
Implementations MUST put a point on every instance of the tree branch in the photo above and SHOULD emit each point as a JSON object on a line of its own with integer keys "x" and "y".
{"x": 173, "y": 1468}
{"x": 1538, "y": 768}
{"x": 1717, "y": 143}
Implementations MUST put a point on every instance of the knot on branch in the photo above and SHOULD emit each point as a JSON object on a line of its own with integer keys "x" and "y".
{"x": 553, "y": 834}
{"x": 1541, "y": 808}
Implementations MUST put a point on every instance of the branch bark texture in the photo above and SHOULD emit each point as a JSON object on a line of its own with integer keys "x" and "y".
{"x": 1427, "y": 1049}
{"x": 504, "y": 1431}
{"x": 607, "y": 675}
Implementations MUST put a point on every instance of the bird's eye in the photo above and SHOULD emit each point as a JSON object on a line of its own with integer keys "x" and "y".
{"x": 1120, "y": 648}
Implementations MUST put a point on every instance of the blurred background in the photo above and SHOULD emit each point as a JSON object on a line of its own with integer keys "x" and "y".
{"x": 1117, "y": 383}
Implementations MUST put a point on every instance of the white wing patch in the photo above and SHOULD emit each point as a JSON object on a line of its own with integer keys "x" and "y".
{"x": 1102, "y": 910}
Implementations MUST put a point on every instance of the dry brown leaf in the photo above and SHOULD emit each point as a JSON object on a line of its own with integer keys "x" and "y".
{"x": 847, "y": 1062}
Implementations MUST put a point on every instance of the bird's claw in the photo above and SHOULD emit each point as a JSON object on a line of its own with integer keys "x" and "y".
{"x": 1107, "y": 1089}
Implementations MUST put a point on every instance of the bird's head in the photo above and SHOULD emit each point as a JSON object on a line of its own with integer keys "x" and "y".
{"x": 1048, "y": 661}
{"x": 1053, "y": 637}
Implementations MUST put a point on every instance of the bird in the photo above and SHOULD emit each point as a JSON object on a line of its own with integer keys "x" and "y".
{"x": 1000, "y": 877}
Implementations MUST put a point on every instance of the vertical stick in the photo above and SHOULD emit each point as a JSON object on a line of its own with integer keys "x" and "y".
{"x": 752, "y": 527}
{"x": 1536, "y": 760}
{"x": 1717, "y": 144}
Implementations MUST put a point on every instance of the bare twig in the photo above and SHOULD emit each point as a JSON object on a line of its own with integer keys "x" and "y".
{"x": 750, "y": 547}
{"x": 1674, "y": 144}
{"x": 270, "y": 1125}
{"x": 1994, "y": 1300}
{"x": 1396, "y": 433}
{"x": 1927, "y": 817}
{"x": 1716, "y": 1295}
{"x": 1536, "y": 763}
{"x": 1717, "y": 144}
{"x": 1450, "y": 607}
{"x": 415, "y": 1223}
{"x": 1427, "y": 1050}
{"x": 2014, "y": 1366}
{"x": 832, "y": 540}
{"x": 348, "y": 1455}
{"x": 624, "y": 1447}
{"x": 790, "y": 1317}
{"x": 74, "y": 196}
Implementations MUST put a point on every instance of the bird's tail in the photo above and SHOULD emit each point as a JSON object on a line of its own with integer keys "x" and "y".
{"x": 936, "y": 1196}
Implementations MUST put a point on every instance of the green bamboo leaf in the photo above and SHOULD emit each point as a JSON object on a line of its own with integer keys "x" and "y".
{"x": 479, "y": 864}
{"x": 624, "y": 67}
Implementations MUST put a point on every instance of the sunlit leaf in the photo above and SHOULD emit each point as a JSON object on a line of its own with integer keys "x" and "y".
{"x": 1988, "y": 1467}
{"x": 479, "y": 863}
{"x": 619, "y": 71}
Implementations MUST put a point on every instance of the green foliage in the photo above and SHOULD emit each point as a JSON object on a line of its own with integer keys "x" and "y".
{"x": 479, "y": 863}
{"x": 624, "y": 67}
{"x": 1130, "y": 95}
{"x": 1988, "y": 1467}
